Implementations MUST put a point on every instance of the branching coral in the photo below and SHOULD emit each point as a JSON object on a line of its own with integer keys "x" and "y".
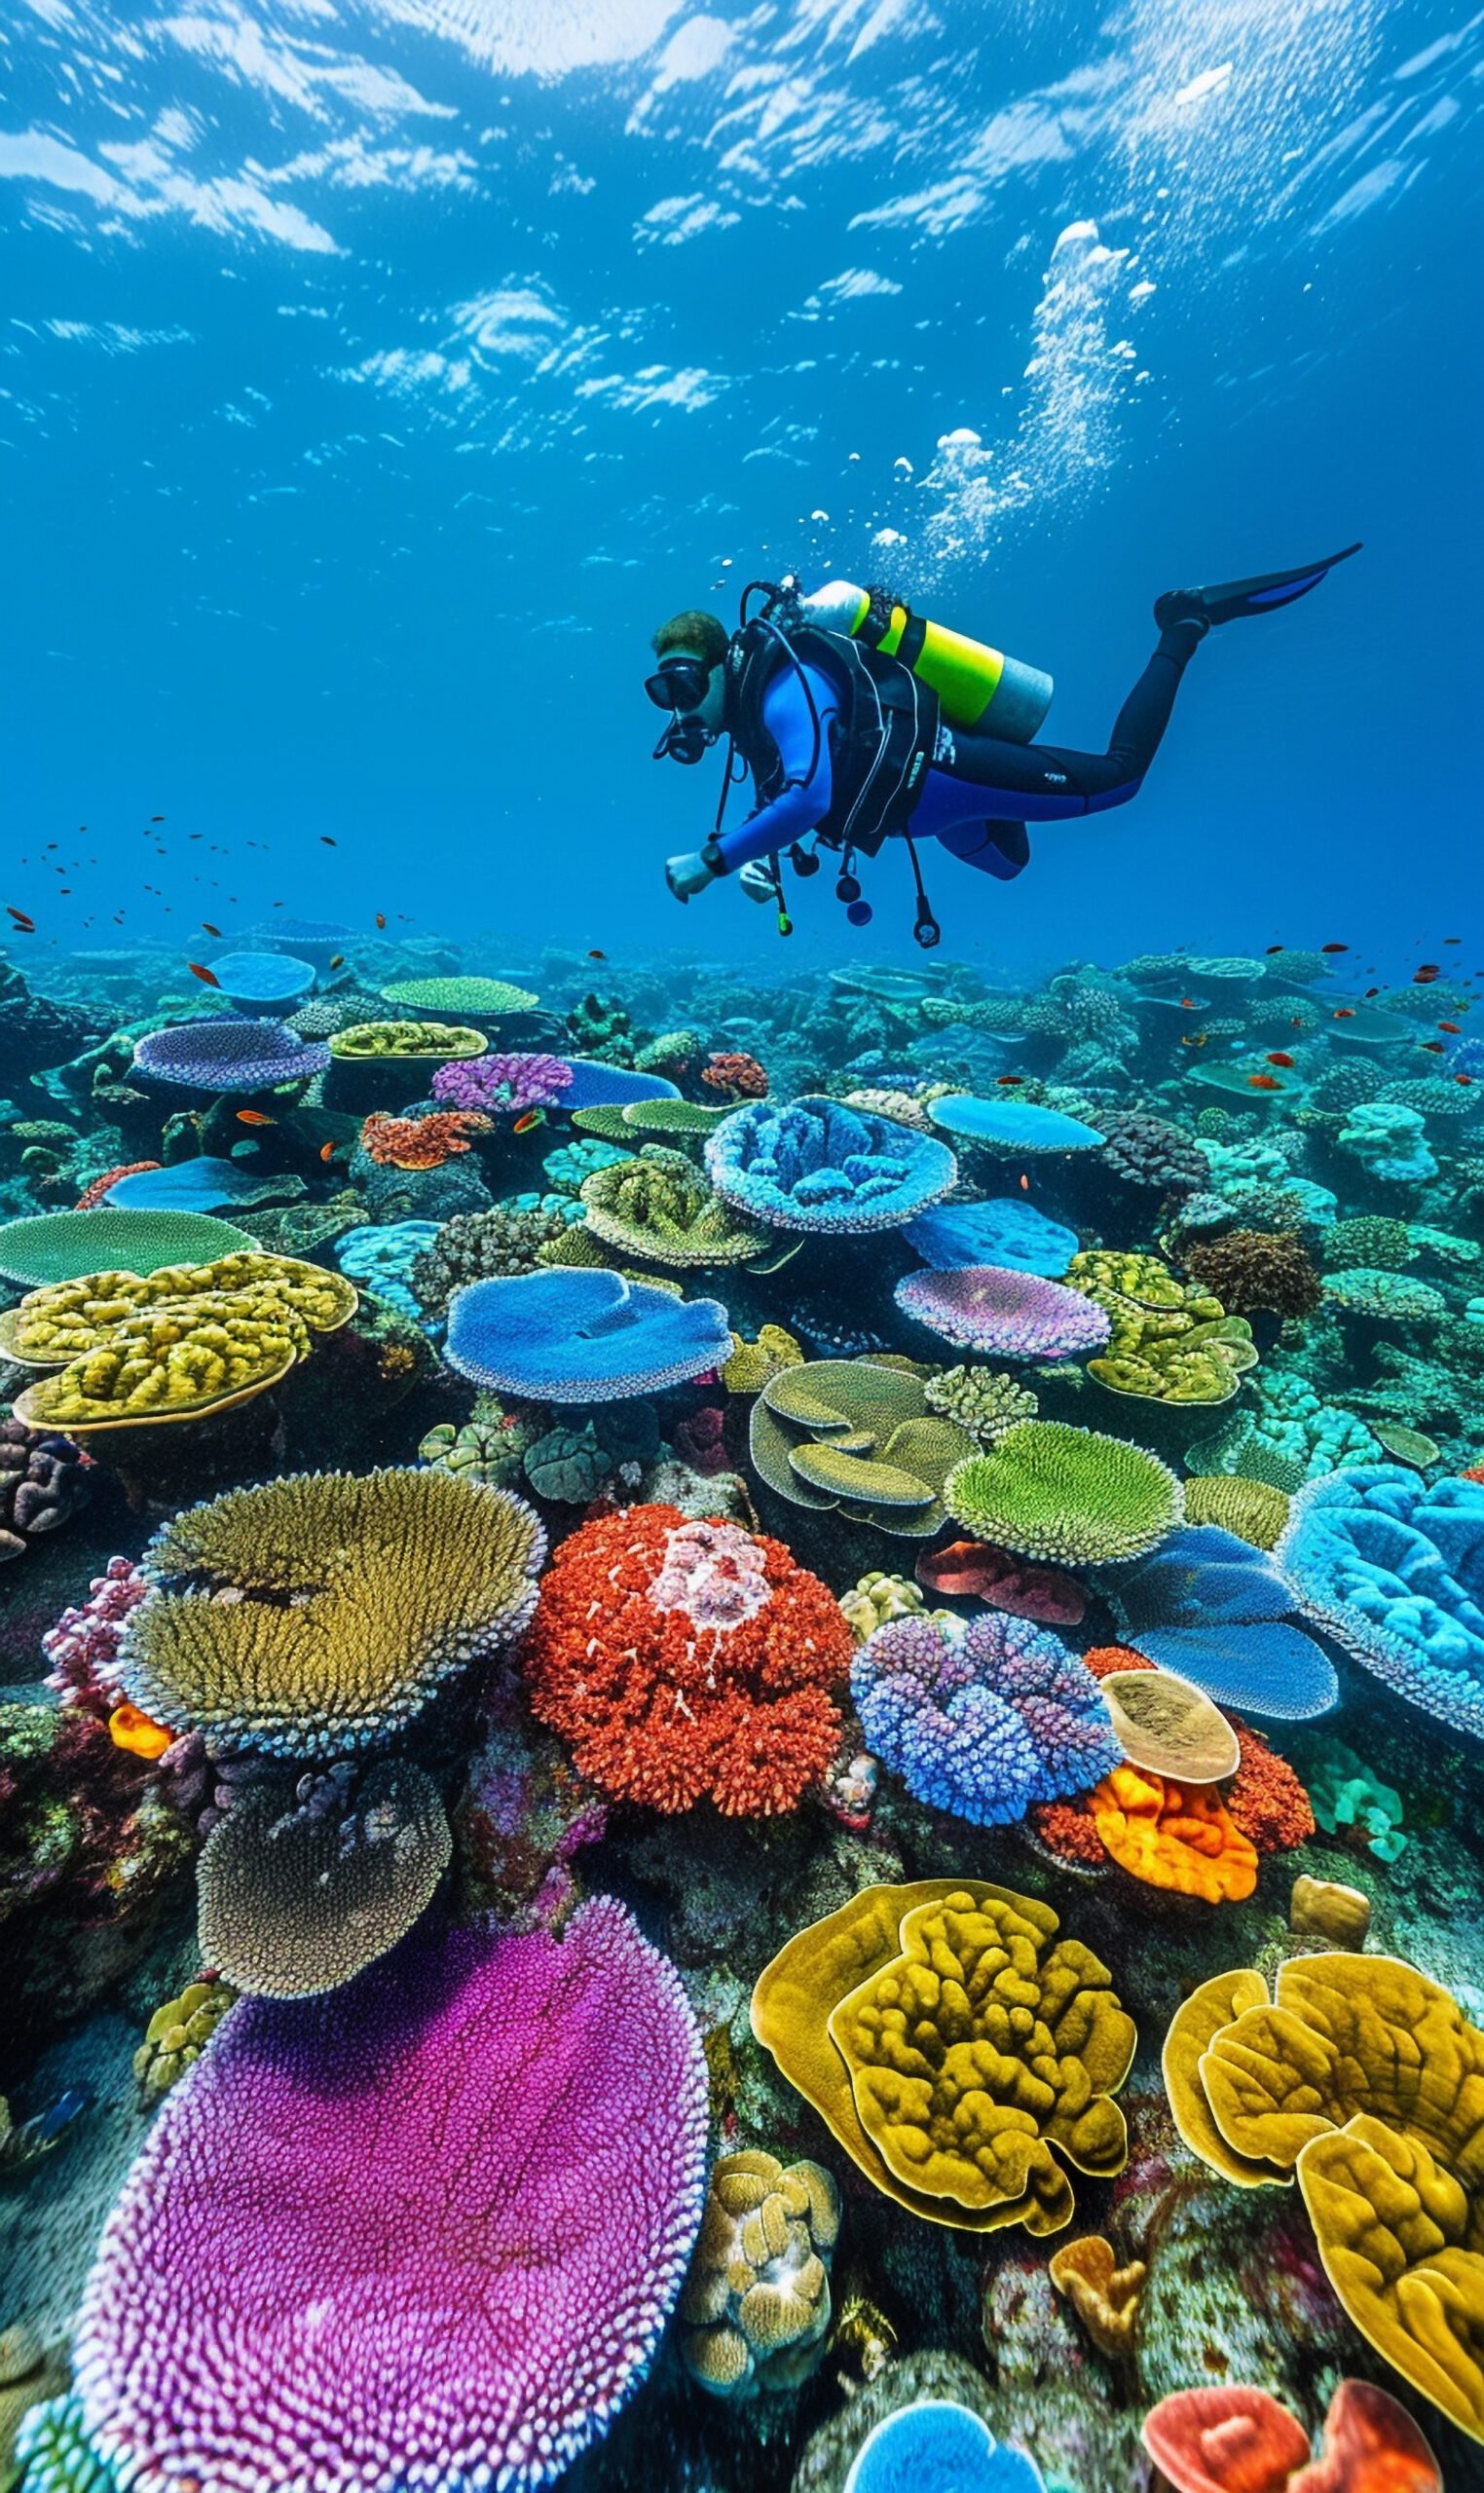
{"x": 68, "y": 1245}
{"x": 1253, "y": 1269}
{"x": 233, "y": 1054}
{"x": 655, "y": 1203}
{"x": 285, "y": 2293}
{"x": 737, "y": 1075}
{"x": 1364, "y": 2080}
{"x": 503, "y": 1085}
{"x": 420, "y": 1142}
{"x": 956, "y": 2047}
{"x": 756, "y": 2305}
{"x": 316, "y": 1615}
{"x": 1065, "y": 1494}
{"x": 686, "y": 1658}
{"x": 169, "y": 1346}
{"x": 981, "y": 1721}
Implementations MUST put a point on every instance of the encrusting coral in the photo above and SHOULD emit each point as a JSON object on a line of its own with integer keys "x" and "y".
{"x": 755, "y": 2305}
{"x": 178, "y": 2032}
{"x": 956, "y": 2048}
{"x": 316, "y": 1615}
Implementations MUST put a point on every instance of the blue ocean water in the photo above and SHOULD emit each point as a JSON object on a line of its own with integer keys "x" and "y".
{"x": 376, "y": 377}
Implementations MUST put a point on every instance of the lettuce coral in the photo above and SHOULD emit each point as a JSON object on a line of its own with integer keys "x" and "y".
{"x": 859, "y": 1436}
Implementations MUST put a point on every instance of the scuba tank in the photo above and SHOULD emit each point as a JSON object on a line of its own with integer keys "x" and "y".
{"x": 977, "y": 687}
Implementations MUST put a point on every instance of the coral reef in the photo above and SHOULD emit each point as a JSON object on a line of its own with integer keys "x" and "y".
{"x": 756, "y": 2305}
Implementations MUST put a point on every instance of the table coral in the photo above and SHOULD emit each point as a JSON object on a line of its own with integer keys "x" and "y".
{"x": 582, "y": 1336}
{"x": 688, "y": 1659}
{"x": 477, "y": 999}
{"x": 982, "y": 1720}
{"x": 300, "y": 1887}
{"x": 956, "y": 2047}
{"x": 316, "y": 1615}
{"x": 65, "y": 1246}
{"x": 1065, "y": 1494}
{"x": 1365, "y": 2080}
{"x": 856, "y": 1434}
{"x": 171, "y": 1345}
{"x": 1392, "y": 1568}
{"x": 284, "y": 2292}
{"x": 655, "y": 1203}
{"x": 1011, "y": 1127}
{"x": 1007, "y": 1231}
{"x": 814, "y": 1164}
{"x": 232, "y": 1055}
{"x": 756, "y": 2305}
{"x": 1004, "y": 1314}
{"x": 1213, "y": 1607}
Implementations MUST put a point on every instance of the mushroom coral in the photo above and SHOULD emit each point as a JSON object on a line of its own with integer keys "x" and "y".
{"x": 314, "y": 1615}
{"x": 1365, "y": 2080}
{"x": 1232, "y": 2438}
{"x": 683, "y": 1658}
{"x": 956, "y": 2047}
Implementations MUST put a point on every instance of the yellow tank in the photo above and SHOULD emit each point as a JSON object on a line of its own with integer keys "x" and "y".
{"x": 977, "y": 687}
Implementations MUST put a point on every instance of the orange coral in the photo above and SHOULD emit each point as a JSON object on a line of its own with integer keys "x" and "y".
{"x": 1104, "y": 1659}
{"x": 1070, "y": 1831}
{"x": 1173, "y": 1834}
{"x": 740, "y": 1076}
{"x": 1265, "y": 1797}
{"x": 93, "y": 1194}
{"x": 420, "y": 1142}
{"x": 131, "y": 1729}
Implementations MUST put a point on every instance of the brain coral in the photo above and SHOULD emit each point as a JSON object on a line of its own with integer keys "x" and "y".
{"x": 1004, "y": 1314}
{"x": 1171, "y": 1341}
{"x": 984, "y": 1719}
{"x": 1173, "y": 1834}
{"x": 956, "y": 2047}
{"x": 1366, "y": 2081}
{"x": 285, "y": 2292}
{"x": 683, "y": 1658}
{"x": 656, "y": 1204}
{"x": 1392, "y": 1568}
{"x": 756, "y": 2305}
{"x": 582, "y": 1336}
{"x": 316, "y": 1614}
{"x": 301, "y": 1886}
{"x": 184, "y": 1340}
{"x": 1065, "y": 1494}
{"x": 815, "y": 1165}
{"x": 231, "y": 1055}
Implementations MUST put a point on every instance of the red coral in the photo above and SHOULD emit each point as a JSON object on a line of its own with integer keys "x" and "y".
{"x": 1265, "y": 1797}
{"x": 420, "y": 1142}
{"x": 980, "y": 1571}
{"x": 1104, "y": 1659}
{"x": 1070, "y": 1833}
{"x": 683, "y": 1658}
{"x": 93, "y": 1193}
{"x": 700, "y": 1441}
{"x": 740, "y": 1076}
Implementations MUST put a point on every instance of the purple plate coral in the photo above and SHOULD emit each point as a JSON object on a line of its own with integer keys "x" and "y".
{"x": 233, "y": 1054}
{"x": 426, "y": 2232}
{"x": 1004, "y": 1315}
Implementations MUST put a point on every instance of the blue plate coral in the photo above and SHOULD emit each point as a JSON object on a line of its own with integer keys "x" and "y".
{"x": 1392, "y": 1567}
{"x": 814, "y": 1164}
{"x": 582, "y": 1336}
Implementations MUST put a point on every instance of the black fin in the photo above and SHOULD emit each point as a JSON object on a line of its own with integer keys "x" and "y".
{"x": 1227, "y": 599}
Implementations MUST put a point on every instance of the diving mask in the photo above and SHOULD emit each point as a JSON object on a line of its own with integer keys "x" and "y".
{"x": 680, "y": 687}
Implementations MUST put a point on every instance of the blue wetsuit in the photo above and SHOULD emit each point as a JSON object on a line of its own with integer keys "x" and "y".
{"x": 981, "y": 790}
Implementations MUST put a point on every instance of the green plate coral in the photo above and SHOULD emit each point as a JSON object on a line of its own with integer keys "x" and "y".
{"x": 855, "y": 1434}
{"x": 1065, "y": 1494}
{"x": 656, "y": 1204}
{"x": 482, "y": 998}
{"x": 435, "y": 1042}
{"x": 1171, "y": 1341}
{"x": 64, "y": 1246}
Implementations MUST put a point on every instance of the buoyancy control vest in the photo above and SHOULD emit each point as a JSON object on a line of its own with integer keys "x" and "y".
{"x": 882, "y": 739}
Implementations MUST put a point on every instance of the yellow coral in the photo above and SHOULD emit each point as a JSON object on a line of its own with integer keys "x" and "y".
{"x": 1104, "y": 2296}
{"x": 756, "y": 2303}
{"x": 1173, "y": 1834}
{"x": 172, "y": 1345}
{"x": 314, "y": 1615}
{"x": 753, "y": 1364}
{"x": 1366, "y": 2080}
{"x": 951, "y": 2042}
{"x": 1252, "y": 1510}
{"x": 177, "y": 2034}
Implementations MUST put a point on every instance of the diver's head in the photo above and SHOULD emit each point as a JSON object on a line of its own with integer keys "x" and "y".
{"x": 690, "y": 682}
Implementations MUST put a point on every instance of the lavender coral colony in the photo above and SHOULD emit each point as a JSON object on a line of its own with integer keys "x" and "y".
{"x": 707, "y": 1780}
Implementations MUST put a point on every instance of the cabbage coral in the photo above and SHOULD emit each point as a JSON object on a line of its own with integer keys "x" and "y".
{"x": 314, "y": 1615}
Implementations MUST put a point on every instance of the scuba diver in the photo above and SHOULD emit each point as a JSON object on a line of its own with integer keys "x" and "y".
{"x": 858, "y": 720}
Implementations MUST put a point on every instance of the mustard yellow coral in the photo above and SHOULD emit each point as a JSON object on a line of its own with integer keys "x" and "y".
{"x": 1171, "y": 1341}
{"x": 1365, "y": 2080}
{"x": 171, "y": 1345}
{"x": 756, "y": 2305}
{"x": 753, "y": 1364}
{"x": 314, "y": 1615}
{"x": 956, "y": 2048}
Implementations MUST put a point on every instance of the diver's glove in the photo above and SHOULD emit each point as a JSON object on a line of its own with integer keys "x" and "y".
{"x": 689, "y": 873}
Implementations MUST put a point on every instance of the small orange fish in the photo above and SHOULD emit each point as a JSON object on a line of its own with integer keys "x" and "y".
{"x": 208, "y": 928}
{"x": 532, "y": 1117}
{"x": 381, "y": 919}
{"x": 1188, "y": 1004}
{"x": 1452, "y": 1028}
{"x": 595, "y": 956}
{"x": 1334, "y": 948}
{"x": 208, "y": 977}
{"x": 254, "y": 1117}
{"x": 326, "y": 841}
{"x": 327, "y": 1151}
{"x": 1010, "y": 1081}
{"x": 1277, "y": 1057}
{"x": 1024, "y": 1183}
{"x": 338, "y": 961}
{"x": 1262, "y": 1082}
{"x": 1424, "y": 975}
{"x": 1343, "y": 1013}
{"x": 25, "y": 926}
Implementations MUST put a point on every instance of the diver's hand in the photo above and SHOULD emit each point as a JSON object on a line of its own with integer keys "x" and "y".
{"x": 688, "y": 875}
{"x": 758, "y": 882}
